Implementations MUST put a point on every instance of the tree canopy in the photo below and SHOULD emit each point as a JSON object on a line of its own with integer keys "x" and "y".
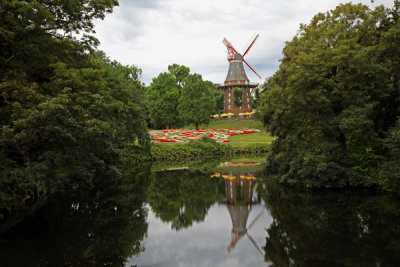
{"x": 180, "y": 72}
{"x": 162, "y": 100}
{"x": 196, "y": 102}
{"x": 335, "y": 98}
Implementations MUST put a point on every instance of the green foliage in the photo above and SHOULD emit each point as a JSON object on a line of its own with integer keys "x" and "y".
{"x": 84, "y": 223}
{"x": 390, "y": 173}
{"x": 361, "y": 225}
{"x": 66, "y": 111}
{"x": 196, "y": 102}
{"x": 219, "y": 97}
{"x": 207, "y": 145}
{"x": 162, "y": 100}
{"x": 238, "y": 97}
{"x": 202, "y": 148}
{"x": 256, "y": 98}
{"x": 334, "y": 98}
{"x": 180, "y": 73}
{"x": 182, "y": 197}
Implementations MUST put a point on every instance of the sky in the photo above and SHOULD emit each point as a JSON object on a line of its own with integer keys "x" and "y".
{"x": 152, "y": 34}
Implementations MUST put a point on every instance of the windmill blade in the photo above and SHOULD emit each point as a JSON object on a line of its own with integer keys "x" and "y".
{"x": 255, "y": 244}
{"x": 254, "y": 221}
{"x": 229, "y": 45}
{"x": 252, "y": 69}
{"x": 252, "y": 43}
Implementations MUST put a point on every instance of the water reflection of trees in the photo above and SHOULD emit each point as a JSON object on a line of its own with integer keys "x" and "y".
{"x": 102, "y": 225}
{"x": 182, "y": 196}
{"x": 331, "y": 228}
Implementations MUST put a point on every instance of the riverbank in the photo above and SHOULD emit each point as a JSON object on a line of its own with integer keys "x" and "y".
{"x": 205, "y": 147}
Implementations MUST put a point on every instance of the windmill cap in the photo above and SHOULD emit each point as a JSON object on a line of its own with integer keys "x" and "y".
{"x": 238, "y": 57}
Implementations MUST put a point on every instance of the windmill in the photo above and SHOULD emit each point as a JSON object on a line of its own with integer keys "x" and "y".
{"x": 237, "y": 78}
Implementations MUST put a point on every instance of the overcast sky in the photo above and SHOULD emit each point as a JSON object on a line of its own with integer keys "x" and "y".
{"x": 153, "y": 34}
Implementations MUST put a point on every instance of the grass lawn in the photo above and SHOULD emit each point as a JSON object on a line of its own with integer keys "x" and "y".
{"x": 244, "y": 139}
{"x": 230, "y": 124}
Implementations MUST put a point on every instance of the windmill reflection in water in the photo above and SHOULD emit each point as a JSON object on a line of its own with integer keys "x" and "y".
{"x": 239, "y": 190}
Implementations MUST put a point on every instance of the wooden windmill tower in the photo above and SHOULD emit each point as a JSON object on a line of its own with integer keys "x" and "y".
{"x": 237, "y": 78}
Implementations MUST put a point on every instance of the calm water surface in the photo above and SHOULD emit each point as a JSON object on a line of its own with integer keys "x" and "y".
{"x": 215, "y": 213}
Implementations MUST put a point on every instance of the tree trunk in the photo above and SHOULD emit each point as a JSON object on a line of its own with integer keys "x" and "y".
{"x": 197, "y": 126}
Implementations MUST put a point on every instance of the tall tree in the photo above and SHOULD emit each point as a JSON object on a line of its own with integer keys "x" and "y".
{"x": 196, "y": 102}
{"x": 162, "y": 100}
{"x": 334, "y": 98}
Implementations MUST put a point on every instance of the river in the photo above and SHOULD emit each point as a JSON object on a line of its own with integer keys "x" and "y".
{"x": 221, "y": 212}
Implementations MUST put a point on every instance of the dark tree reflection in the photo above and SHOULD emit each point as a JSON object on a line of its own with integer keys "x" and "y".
{"x": 328, "y": 228}
{"x": 102, "y": 225}
{"x": 182, "y": 196}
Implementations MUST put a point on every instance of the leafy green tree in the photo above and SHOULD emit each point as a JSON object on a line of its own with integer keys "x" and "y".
{"x": 256, "y": 98}
{"x": 238, "y": 98}
{"x": 334, "y": 98}
{"x": 180, "y": 72}
{"x": 196, "y": 102}
{"x": 162, "y": 100}
{"x": 219, "y": 97}
{"x": 66, "y": 111}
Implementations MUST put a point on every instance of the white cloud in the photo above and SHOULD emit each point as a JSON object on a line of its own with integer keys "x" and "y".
{"x": 155, "y": 34}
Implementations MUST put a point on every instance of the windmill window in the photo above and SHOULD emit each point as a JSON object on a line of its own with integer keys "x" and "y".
{"x": 248, "y": 105}
{"x": 229, "y": 107}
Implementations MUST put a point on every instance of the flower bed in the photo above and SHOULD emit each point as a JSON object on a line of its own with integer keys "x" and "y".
{"x": 185, "y": 135}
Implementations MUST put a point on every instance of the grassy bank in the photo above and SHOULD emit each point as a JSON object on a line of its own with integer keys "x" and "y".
{"x": 203, "y": 148}
{"x": 245, "y": 144}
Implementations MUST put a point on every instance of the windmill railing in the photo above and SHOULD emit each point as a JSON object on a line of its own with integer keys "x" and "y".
{"x": 234, "y": 83}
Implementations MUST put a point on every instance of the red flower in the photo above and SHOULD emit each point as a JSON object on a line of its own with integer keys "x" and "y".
{"x": 163, "y": 140}
{"x": 248, "y": 132}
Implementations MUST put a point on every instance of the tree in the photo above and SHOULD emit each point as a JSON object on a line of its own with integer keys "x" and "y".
{"x": 238, "y": 98}
{"x": 162, "y": 100}
{"x": 219, "y": 97}
{"x": 66, "y": 111}
{"x": 334, "y": 97}
{"x": 256, "y": 98}
{"x": 196, "y": 102}
{"x": 180, "y": 72}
